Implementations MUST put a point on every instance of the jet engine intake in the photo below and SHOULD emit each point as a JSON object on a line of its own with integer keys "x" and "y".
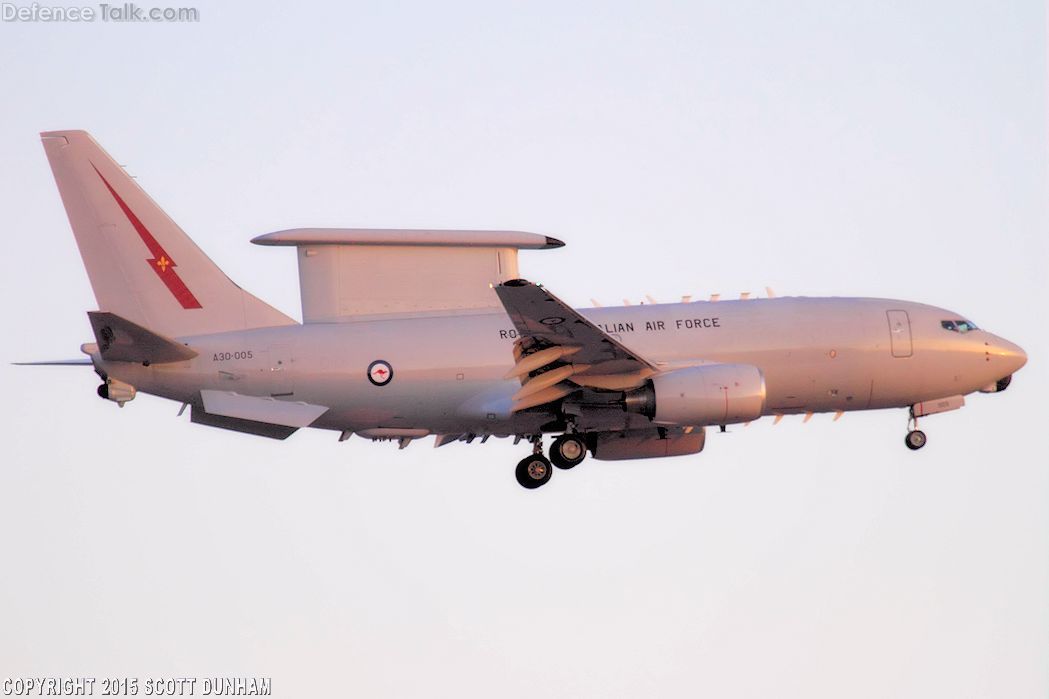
{"x": 711, "y": 394}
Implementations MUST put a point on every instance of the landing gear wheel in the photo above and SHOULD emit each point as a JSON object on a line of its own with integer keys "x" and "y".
{"x": 567, "y": 451}
{"x": 533, "y": 471}
{"x": 915, "y": 439}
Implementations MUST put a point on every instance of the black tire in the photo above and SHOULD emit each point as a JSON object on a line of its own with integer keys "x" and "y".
{"x": 568, "y": 451}
{"x": 533, "y": 471}
{"x": 915, "y": 440}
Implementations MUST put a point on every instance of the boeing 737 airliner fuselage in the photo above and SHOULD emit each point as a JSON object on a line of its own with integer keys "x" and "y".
{"x": 816, "y": 355}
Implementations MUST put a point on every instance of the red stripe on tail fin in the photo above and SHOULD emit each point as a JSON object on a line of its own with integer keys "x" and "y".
{"x": 162, "y": 263}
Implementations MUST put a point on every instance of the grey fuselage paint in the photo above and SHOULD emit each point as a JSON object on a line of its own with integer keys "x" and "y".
{"x": 816, "y": 354}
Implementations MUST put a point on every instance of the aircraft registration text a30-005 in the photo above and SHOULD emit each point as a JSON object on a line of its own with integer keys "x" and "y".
{"x": 409, "y": 333}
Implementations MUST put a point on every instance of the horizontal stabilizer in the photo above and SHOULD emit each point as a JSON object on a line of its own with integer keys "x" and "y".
{"x": 120, "y": 340}
{"x": 266, "y": 410}
{"x": 80, "y": 361}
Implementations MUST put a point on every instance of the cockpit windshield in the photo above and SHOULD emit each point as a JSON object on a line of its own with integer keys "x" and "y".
{"x": 958, "y": 326}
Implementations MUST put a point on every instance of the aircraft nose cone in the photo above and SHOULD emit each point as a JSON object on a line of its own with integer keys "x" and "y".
{"x": 1011, "y": 355}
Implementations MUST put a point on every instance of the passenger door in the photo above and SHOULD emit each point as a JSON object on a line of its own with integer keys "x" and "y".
{"x": 900, "y": 333}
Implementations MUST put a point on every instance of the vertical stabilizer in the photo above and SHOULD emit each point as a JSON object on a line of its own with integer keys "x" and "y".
{"x": 142, "y": 266}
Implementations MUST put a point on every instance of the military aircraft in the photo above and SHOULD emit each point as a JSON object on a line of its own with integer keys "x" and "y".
{"x": 411, "y": 333}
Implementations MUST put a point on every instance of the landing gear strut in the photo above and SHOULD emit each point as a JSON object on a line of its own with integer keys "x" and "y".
{"x": 915, "y": 438}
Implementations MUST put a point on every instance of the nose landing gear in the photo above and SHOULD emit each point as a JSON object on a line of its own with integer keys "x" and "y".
{"x": 915, "y": 438}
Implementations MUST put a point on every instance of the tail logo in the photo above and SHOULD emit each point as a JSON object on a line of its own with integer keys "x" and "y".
{"x": 162, "y": 263}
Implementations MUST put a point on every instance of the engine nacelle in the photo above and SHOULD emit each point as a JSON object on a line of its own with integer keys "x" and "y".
{"x": 712, "y": 394}
{"x": 116, "y": 391}
{"x": 647, "y": 444}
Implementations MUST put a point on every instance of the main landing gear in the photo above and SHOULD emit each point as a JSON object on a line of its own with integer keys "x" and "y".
{"x": 915, "y": 438}
{"x": 534, "y": 471}
{"x": 567, "y": 451}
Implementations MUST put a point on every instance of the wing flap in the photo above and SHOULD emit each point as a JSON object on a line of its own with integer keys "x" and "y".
{"x": 560, "y": 350}
{"x": 548, "y": 321}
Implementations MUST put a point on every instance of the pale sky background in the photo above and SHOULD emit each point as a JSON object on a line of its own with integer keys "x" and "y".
{"x": 890, "y": 149}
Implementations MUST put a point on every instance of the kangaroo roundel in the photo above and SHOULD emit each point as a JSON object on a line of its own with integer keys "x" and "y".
{"x": 380, "y": 373}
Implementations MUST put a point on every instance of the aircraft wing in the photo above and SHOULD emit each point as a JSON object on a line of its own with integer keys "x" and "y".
{"x": 560, "y": 350}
